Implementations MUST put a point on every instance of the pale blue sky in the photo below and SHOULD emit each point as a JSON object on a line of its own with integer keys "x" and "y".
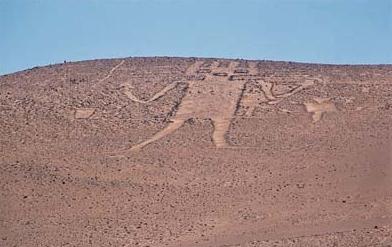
{"x": 41, "y": 32}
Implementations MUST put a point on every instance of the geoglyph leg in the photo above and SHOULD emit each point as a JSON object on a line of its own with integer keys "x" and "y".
{"x": 221, "y": 127}
{"x": 170, "y": 128}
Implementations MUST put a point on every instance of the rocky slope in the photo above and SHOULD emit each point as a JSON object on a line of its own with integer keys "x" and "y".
{"x": 196, "y": 152}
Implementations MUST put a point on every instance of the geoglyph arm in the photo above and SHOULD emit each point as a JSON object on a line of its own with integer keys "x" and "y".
{"x": 128, "y": 92}
{"x": 305, "y": 84}
{"x": 267, "y": 88}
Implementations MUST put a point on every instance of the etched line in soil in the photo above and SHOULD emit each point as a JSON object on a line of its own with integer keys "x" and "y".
{"x": 111, "y": 71}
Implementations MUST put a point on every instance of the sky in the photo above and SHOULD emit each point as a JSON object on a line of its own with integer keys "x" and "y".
{"x": 41, "y": 32}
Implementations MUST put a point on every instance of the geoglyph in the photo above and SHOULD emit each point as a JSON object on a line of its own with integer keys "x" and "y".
{"x": 322, "y": 105}
{"x": 214, "y": 93}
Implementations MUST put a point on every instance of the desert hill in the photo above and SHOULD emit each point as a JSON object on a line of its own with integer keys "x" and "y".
{"x": 196, "y": 152}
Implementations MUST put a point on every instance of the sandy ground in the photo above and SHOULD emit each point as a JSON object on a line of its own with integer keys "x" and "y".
{"x": 196, "y": 152}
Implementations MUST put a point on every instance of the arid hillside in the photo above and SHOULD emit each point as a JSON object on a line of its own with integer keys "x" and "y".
{"x": 196, "y": 152}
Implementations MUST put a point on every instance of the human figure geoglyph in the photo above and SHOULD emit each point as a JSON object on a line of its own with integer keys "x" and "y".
{"x": 213, "y": 96}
